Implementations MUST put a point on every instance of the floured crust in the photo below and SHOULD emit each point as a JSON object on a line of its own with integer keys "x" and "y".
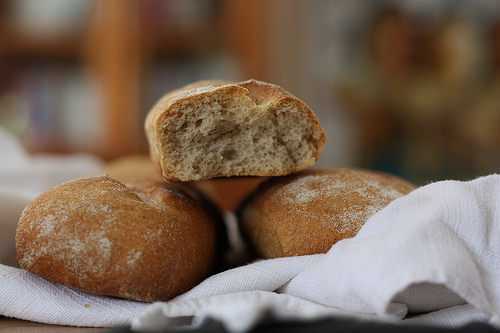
{"x": 308, "y": 212}
{"x": 270, "y": 96}
{"x": 144, "y": 242}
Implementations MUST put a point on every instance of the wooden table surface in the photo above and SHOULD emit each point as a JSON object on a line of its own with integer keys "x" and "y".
{"x": 8, "y": 325}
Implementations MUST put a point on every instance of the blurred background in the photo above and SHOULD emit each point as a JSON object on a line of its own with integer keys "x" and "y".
{"x": 409, "y": 87}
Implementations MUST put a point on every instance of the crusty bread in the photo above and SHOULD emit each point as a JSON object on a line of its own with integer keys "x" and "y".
{"x": 133, "y": 168}
{"x": 144, "y": 242}
{"x": 219, "y": 129}
{"x": 307, "y": 213}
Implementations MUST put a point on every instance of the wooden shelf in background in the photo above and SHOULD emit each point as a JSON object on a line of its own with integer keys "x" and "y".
{"x": 17, "y": 44}
{"x": 176, "y": 40}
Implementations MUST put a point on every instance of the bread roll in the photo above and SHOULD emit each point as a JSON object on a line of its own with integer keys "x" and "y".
{"x": 221, "y": 129}
{"x": 133, "y": 168}
{"x": 146, "y": 242}
{"x": 308, "y": 212}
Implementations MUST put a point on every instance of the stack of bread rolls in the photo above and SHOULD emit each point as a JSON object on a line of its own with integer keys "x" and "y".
{"x": 148, "y": 231}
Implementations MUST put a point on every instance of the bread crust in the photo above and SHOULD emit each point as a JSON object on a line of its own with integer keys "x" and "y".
{"x": 273, "y": 96}
{"x": 308, "y": 212}
{"x": 146, "y": 242}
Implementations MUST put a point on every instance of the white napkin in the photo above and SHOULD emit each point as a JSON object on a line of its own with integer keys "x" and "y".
{"x": 444, "y": 234}
{"x": 434, "y": 253}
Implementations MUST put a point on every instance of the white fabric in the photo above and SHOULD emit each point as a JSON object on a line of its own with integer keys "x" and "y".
{"x": 435, "y": 252}
{"x": 26, "y": 296}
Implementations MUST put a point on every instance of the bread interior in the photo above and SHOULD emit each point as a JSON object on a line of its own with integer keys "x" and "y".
{"x": 237, "y": 135}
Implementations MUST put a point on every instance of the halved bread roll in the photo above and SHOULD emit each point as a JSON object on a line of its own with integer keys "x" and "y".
{"x": 220, "y": 129}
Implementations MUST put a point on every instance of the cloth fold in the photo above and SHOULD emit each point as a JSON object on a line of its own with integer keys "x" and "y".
{"x": 442, "y": 234}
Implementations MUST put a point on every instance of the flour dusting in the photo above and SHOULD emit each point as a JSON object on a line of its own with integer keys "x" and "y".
{"x": 47, "y": 225}
{"x": 133, "y": 256}
{"x": 347, "y": 198}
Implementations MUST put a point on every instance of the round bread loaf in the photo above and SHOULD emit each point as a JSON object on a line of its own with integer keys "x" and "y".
{"x": 144, "y": 242}
{"x": 307, "y": 213}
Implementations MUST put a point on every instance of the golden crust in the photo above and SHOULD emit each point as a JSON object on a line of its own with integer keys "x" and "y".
{"x": 144, "y": 242}
{"x": 307, "y": 213}
{"x": 260, "y": 92}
